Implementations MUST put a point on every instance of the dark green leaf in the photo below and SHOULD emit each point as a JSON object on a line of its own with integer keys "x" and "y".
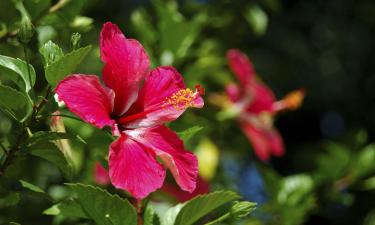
{"x": 9, "y": 200}
{"x": 102, "y": 207}
{"x": 200, "y": 206}
{"x": 17, "y": 71}
{"x": 14, "y": 103}
{"x": 51, "y": 53}
{"x": 67, "y": 208}
{"x": 44, "y": 136}
{"x": 36, "y": 7}
{"x": 50, "y": 152}
{"x": 58, "y": 70}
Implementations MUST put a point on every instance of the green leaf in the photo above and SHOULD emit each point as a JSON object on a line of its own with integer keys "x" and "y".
{"x": 17, "y": 71}
{"x": 189, "y": 133}
{"x": 169, "y": 217}
{"x": 257, "y": 19}
{"x": 365, "y": 163}
{"x": 102, "y": 207}
{"x": 51, "y": 52}
{"x": 50, "y": 152}
{"x": 149, "y": 215}
{"x": 10, "y": 199}
{"x": 32, "y": 187}
{"x": 200, "y": 206}
{"x": 58, "y": 70}
{"x": 44, "y": 136}
{"x": 294, "y": 189}
{"x": 67, "y": 208}
{"x": 14, "y": 103}
{"x": 36, "y": 7}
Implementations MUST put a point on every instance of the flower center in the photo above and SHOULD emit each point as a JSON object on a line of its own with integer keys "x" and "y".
{"x": 181, "y": 99}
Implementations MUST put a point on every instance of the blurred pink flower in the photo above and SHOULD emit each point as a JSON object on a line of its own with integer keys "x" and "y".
{"x": 257, "y": 106}
{"x": 136, "y": 114}
{"x": 203, "y": 187}
{"x": 101, "y": 176}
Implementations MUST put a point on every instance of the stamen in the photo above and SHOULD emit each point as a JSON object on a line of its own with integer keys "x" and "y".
{"x": 181, "y": 100}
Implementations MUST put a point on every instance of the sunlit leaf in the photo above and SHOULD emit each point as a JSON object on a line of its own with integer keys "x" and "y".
{"x": 14, "y": 103}
{"x": 200, "y": 206}
{"x": 67, "y": 208}
{"x": 58, "y": 70}
{"x": 257, "y": 19}
{"x": 18, "y": 71}
{"x": 51, "y": 52}
{"x": 102, "y": 207}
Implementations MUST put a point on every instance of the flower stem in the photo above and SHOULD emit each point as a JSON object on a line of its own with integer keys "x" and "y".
{"x": 139, "y": 212}
{"x": 220, "y": 219}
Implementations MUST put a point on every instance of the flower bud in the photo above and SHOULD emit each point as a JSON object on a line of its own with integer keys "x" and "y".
{"x": 242, "y": 209}
{"x": 26, "y": 31}
{"x": 75, "y": 41}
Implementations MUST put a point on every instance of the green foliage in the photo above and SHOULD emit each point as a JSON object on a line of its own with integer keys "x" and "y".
{"x": 149, "y": 215}
{"x": 32, "y": 187}
{"x": 10, "y": 199}
{"x": 45, "y": 136}
{"x": 101, "y": 206}
{"x": 187, "y": 134}
{"x": 65, "y": 65}
{"x": 51, "y": 53}
{"x": 257, "y": 19}
{"x": 193, "y": 210}
{"x": 242, "y": 209}
{"x": 16, "y": 104}
{"x": 50, "y": 152}
{"x": 67, "y": 208}
{"x": 21, "y": 73}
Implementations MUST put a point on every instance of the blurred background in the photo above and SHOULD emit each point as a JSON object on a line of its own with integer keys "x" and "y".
{"x": 327, "y": 175}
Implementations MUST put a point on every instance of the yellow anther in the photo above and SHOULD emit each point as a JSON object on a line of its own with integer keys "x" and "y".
{"x": 181, "y": 99}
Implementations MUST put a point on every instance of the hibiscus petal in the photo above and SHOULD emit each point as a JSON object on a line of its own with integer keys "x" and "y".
{"x": 86, "y": 97}
{"x": 241, "y": 66}
{"x": 168, "y": 146}
{"x": 258, "y": 140}
{"x": 158, "y": 102}
{"x": 266, "y": 142}
{"x": 263, "y": 99}
{"x": 233, "y": 92}
{"x": 133, "y": 167}
{"x": 276, "y": 143}
{"x": 126, "y": 64}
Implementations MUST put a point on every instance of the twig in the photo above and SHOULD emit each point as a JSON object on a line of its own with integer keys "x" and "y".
{"x": 139, "y": 212}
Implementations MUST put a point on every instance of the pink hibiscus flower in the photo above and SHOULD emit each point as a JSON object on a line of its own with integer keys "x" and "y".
{"x": 135, "y": 113}
{"x": 257, "y": 106}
